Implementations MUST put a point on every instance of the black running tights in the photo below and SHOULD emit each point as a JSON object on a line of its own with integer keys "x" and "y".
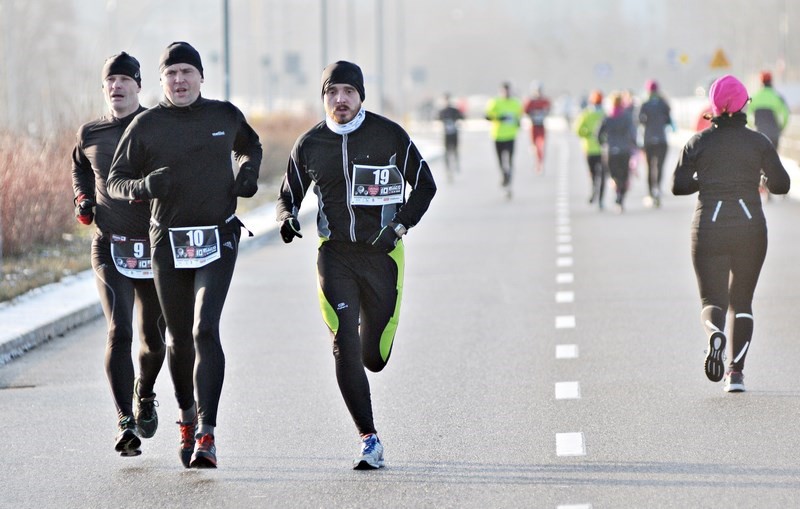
{"x": 192, "y": 300}
{"x": 118, "y": 296}
{"x": 727, "y": 263}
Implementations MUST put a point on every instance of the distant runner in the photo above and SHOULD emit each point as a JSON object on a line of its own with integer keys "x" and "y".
{"x": 537, "y": 107}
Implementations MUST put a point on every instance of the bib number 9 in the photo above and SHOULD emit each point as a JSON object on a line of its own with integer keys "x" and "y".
{"x": 138, "y": 249}
{"x": 131, "y": 256}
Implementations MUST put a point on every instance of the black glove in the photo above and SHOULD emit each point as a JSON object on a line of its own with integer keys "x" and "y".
{"x": 84, "y": 209}
{"x": 290, "y": 228}
{"x": 158, "y": 183}
{"x": 384, "y": 239}
{"x": 246, "y": 183}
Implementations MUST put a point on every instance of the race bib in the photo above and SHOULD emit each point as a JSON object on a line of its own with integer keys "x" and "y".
{"x": 132, "y": 256}
{"x": 537, "y": 117}
{"x": 376, "y": 185}
{"x": 194, "y": 246}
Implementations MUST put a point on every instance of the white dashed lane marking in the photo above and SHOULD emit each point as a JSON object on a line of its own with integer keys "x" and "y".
{"x": 570, "y": 444}
{"x": 564, "y": 278}
{"x": 564, "y": 261}
{"x": 573, "y": 443}
{"x": 566, "y": 351}
{"x": 565, "y": 322}
{"x": 565, "y": 297}
{"x": 568, "y": 390}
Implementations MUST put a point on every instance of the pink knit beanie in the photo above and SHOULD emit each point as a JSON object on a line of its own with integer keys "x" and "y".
{"x": 727, "y": 95}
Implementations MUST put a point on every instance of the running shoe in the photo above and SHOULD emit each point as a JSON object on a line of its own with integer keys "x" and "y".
{"x": 371, "y": 456}
{"x": 205, "y": 452}
{"x": 715, "y": 357}
{"x": 144, "y": 411}
{"x": 186, "y": 447}
{"x": 127, "y": 441}
{"x": 734, "y": 381}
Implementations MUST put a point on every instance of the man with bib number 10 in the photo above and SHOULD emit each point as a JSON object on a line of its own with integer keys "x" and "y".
{"x": 360, "y": 163}
{"x": 178, "y": 155}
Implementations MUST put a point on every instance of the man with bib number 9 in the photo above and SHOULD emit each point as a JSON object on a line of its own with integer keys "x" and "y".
{"x": 178, "y": 155}
{"x": 121, "y": 259}
{"x": 360, "y": 163}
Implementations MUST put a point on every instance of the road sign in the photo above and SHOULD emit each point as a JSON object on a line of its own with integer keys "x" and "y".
{"x": 719, "y": 61}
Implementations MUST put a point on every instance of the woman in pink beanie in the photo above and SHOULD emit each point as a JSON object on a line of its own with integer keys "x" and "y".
{"x": 727, "y": 96}
{"x": 725, "y": 164}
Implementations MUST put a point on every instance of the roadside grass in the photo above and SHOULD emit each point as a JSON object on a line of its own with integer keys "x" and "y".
{"x": 41, "y": 241}
{"x": 43, "y": 265}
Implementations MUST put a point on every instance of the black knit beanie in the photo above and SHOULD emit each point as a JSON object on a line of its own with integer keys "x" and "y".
{"x": 180, "y": 53}
{"x": 342, "y": 72}
{"x": 122, "y": 63}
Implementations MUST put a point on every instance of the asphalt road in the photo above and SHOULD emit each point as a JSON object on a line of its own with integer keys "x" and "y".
{"x": 549, "y": 355}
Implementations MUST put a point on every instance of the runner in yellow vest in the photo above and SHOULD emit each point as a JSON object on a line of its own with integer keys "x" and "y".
{"x": 505, "y": 112}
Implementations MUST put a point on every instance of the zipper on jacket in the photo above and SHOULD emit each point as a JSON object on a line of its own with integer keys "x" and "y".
{"x": 349, "y": 185}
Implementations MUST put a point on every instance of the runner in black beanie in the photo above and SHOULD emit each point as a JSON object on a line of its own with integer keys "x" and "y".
{"x": 343, "y": 72}
{"x": 180, "y": 53}
{"x": 124, "y": 64}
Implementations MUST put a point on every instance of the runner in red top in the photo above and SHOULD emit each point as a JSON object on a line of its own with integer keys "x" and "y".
{"x": 537, "y": 107}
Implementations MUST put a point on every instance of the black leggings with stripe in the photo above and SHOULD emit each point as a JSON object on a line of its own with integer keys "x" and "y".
{"x": 360, "y": 294}
{"x": 727, "y": 262}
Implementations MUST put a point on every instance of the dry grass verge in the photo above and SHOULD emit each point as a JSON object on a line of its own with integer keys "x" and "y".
{"x": 42, "y": 243}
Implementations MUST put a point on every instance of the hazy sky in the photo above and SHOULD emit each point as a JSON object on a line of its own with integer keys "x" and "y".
{"x": 52, "y": 50}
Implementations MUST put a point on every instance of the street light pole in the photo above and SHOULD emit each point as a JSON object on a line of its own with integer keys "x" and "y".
{"x": 323, "y": 33}
{"x": 226, "y": 60}
{"x": 379, "y": 28}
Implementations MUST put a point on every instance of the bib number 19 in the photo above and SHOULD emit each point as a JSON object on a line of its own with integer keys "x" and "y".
{"x": 381, "y": 176}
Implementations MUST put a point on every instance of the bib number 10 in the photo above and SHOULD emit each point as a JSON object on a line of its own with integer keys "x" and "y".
{"x": 194, "y": 246}
{"x": 195, "y": 238}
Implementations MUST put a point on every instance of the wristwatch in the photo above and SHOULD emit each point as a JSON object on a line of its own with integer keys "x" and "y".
{"x": 400, "y": 230}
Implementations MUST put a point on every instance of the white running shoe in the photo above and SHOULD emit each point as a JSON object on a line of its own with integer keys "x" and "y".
{"x": 371, "y": 456}
{"x": 734, "y": 381}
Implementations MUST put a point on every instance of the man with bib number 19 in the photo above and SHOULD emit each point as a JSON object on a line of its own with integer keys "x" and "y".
{"x": 360, "y": 163}
{"x": 178, "y": 155}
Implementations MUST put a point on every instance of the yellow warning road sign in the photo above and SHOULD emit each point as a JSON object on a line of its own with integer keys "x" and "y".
{"x": 719, "y": 61}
